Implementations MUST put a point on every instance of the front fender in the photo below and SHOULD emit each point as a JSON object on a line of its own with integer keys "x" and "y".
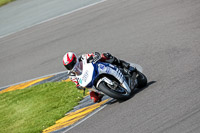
{"x": 105, "y": 79}
{"x": 108, "y": 79}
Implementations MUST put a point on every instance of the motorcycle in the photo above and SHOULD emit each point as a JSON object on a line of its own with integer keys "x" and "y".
{"x": 109, "y": 79}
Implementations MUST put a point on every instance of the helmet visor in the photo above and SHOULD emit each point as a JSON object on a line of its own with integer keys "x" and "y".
{"x": 71, "y": 64}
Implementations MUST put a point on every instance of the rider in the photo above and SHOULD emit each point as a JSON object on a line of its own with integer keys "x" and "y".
{"x": 70, "y": 60}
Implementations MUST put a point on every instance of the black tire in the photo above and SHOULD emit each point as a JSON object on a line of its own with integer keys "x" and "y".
{"x": 112, "y": 93}
{"x": 142, "y": 80}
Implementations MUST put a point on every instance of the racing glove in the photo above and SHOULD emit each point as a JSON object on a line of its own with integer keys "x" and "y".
{"x": 79, "y": 87}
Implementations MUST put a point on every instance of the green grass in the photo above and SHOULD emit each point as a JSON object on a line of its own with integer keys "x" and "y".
{"x": 3, "y": 2}
{"x": 35, "y": 108}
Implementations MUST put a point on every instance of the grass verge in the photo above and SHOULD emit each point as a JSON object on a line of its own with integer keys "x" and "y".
{"x": 3, "y": 2}
{"x": 35, "y": 108}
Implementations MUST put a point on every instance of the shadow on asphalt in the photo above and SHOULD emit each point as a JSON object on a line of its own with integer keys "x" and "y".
{"x": 134, "y": 93}
{"x": 141, "y": 89}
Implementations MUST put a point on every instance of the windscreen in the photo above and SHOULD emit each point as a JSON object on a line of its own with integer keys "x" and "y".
{"x": 78, "y": 68}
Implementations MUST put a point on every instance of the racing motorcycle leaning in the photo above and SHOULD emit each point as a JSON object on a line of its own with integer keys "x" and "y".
{"x": 109, "y": 79}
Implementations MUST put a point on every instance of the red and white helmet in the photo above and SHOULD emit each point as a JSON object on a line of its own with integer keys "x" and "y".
{"x": 70, "y": 60}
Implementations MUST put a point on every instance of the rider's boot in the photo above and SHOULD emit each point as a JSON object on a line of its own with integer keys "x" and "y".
{"x": 121, "y": 63}
{"x": 96, "y": 97}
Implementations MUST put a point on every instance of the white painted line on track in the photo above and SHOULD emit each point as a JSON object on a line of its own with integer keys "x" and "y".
{"x": 67, "y": 13}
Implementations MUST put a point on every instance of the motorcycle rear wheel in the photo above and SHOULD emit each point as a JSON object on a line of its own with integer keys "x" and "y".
{"x": 113, "y": 93}
{"x": 142, "y": 80}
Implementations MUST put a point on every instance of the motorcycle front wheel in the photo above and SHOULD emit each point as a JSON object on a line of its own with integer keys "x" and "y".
{"x": 117, "y": 93}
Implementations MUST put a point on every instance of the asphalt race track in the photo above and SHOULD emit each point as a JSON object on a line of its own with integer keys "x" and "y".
{"x": 163, "y": 36}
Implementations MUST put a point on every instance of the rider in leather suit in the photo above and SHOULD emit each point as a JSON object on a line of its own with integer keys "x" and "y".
{"x": 70, "y": 60}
